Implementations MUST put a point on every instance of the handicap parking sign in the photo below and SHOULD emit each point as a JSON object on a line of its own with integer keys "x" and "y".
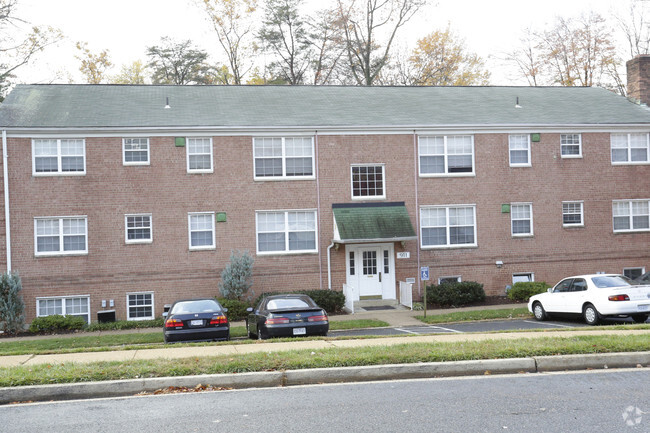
{"x": 424, "y": 273}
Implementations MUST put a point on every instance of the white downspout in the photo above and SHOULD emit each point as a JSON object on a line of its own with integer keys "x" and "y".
{"x": 329, "y": 268}
{"x": 5, "y": 178}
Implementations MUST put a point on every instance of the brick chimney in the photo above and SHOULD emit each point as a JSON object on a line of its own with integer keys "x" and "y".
{"x": 638, "y": 79}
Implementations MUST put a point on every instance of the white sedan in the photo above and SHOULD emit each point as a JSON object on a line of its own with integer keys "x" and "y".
{"x": 594, "y": 297}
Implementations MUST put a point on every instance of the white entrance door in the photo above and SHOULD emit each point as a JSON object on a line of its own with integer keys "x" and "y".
{"x": 370, "y": 269}
{"x": 370, "y": 278}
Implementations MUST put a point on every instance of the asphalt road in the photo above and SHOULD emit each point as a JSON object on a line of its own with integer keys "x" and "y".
{"x": 602, "y": 401}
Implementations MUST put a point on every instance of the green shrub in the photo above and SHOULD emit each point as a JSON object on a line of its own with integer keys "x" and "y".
{"x": 12, "y": 307}
{"x": 56, "y": 323}
{"x": 523, "y": 291}
{"x": 237, "y": 276}
{"x": 455, "y": 294}
{"x": 329, "y": 300}
{"x": 125, "y": 324}
{"x": 236, "y": 308}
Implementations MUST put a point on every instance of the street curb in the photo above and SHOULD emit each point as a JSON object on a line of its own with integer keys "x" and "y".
{"x": 118, "y": 388}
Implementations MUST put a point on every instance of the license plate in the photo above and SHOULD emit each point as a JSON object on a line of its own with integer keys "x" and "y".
{"x": 299, "y": 331}
{"x": 196, "y": 323}
{"x": 644, "y": 307}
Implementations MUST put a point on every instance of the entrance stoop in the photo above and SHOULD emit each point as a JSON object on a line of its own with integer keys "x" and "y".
{"x": 376, "y": 304}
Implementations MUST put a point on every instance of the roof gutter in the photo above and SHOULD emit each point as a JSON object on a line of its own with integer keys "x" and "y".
{"x": 5, "y": 179}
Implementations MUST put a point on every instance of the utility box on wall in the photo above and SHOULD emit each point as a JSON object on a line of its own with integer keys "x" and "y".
{"x": 179, "y": 141}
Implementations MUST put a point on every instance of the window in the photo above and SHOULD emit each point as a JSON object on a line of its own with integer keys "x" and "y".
{"x": 446, "y": 155}
{"x": 201, "y": 228}
{"x": 58, "y": 156}
{"x": 449, "y": 280}
{"x": 351, "y": 262}
{"x": 59, "y": 236}
{"x": 521, "y": 218}
{"x": 64, "y": 306}
{"x": 631, "y": 215}
{"x": 283, "y": 158}
{"x": 524, "y": 277}
{"x": 519, "y": 146}
{"x": 633, "y": 273}
{"x": 286, "y": 232}
{"x": 630, "y": 148}
{"x": 572, "y": 214}
{"x": 199, "y": 155}
{"x": 368, "y": 181}
{"x": 136, "y": 151}
{"x": 139, "y": 306}
{"x": 448, "y": 226}
{"x": 571, "y": 145}
{"x": 138, "y": 228}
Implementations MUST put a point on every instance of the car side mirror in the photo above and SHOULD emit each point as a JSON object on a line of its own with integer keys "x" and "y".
{"x": 550, "y": 290}
{"x": 249, "y": 309}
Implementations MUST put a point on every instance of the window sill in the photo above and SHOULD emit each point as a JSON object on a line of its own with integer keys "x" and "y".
{"x": 446, "y": 175}
{"x": 148, "y": 241}
{"x": 571, "y": 156}
{"x": 200, "y": 171}
{"x": 286, "y": 253}
{"x": 62, "y": 254}
{"x": 136, "y": 164}
{"x": 573, "y": 226}
{"x": 624, "y": 232}
{"x": 206, "y": 248}
{"x": 630, "y": 162}
{"x": 448, "y": 247}
{"x": 282, "y": 178}
{"x": 523, "y": 236}
{"x": 59, "y": 174}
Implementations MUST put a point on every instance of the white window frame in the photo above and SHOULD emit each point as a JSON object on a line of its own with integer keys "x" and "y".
{"x": 128, "y": 306}
{"x": 189, "y": 232}
{"x": 628, "y": 148}
{"x": 64, "y": 306}
{"x": 529, "y": 163}
{"x": 125, "y": 151}
{"x": 445, "y": 156}
{"x": 518, "y": 235}
{"x": 582, "y": 213}
{"x": 521, "y": 274}
{"x": 630, "y": 268}
{"x": 447, "y": 227}
{"x": 127, "y": 228}
{"x": 458, "y": 278}
{"x": 286, "y": 231}
{"x": 564, "y": 144}
{"x": 61, "y": 235}
{"x": 188, "y": 154}
{"x": 368, "y": 197}
{"x": 630, "y": 215}
{"x": 284, "y": 158}
{"x": 59, "y": 156}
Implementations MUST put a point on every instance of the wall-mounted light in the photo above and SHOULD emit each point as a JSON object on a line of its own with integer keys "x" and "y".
{"x": 499, "y": 263}
{"x": 167, "y": 103}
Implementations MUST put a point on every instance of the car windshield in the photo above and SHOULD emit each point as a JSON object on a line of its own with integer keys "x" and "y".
{"x": 611, "y": 281}
{"x": 202, "y": 306}
{"x": 279, "y": 304}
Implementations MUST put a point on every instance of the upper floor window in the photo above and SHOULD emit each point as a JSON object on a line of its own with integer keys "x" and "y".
{"x": 521, "y": 219}
{"x": 368, "y": 181}
{"x": 135, "y": 151}
{"x": 201, "y": 230}
{"x": 630, "y": 148}
{"x": 283, "y": 157}
{"x": 519, "y": 149}
{"x": 286, "y": 231}
{"x": 59, "y": 236}
{"x": 199, "y": 155}
{"x": 138, "y": 228}
{"x": 58, "y": 156}
{"x": 631, "y": 215}
{"x": 571, "y": 145}
{"x": 448, "y": 226}
{"x": 572, "y": 214}
{"x": 446, "y": 155}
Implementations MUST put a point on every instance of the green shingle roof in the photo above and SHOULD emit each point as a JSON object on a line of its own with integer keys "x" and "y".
{"x": 126, "y": 106}
{"x": 372, "y": 222}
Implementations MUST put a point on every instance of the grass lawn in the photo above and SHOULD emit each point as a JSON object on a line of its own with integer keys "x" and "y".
{"x": 466, "y": 316}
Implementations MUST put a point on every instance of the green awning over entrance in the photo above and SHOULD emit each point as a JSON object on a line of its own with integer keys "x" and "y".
{"x": 371, "y": 222}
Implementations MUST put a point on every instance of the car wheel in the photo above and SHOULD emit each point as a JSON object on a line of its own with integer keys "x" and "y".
{"x": 539, "y": 312}
{"x": 592, "y": 317}
{"x": 639, "y": 318}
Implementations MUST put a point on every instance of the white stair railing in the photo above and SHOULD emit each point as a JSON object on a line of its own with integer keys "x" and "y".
{"x": 348, "y": 291}
{"x": 406, "y": 294}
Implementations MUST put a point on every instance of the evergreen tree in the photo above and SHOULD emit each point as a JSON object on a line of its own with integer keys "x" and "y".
{"x": 237, "y": 276}
{"x": 12, "y": 307}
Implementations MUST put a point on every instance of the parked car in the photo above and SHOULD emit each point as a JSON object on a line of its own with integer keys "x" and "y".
{"x": 286, "y": 316}
{"x": 196, "y": 320}
{"x": 642, "y": 279}
{"x": 594, "y": 297}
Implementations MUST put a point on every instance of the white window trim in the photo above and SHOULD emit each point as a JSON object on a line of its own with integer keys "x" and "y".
{"x": 629, "y": 149}
{"x": 189, "y": 232}
{"x": 579, "y": 155}
{"x": 582, "y": 213}
{"x": 631, "y": 230}
{"x": 126, "y": 229}
{"x": 634, "y": 267}
{"x": 532, "y": 231}
{"x": 63, "y": 298}
{"x": 284, "y": 161}
{"x": 446, "y": 157}
{"x": 449, "y": 246}
{"x": 530, "y": 156}
{"x": 532, "y": 276}
{"x": 187, "y": 156}
{"x": 286, "y": 250}
{"x": 58, "y": 155}
{"x": 61, "y": 252}
{"x": 368, "y": 197}
{"x": 125, "y": 162}
{"x": 458, "y": 278}
{"x": 128, "y": 307}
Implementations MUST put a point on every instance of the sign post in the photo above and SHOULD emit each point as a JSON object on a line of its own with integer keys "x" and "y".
{"x": 424, "y": 276}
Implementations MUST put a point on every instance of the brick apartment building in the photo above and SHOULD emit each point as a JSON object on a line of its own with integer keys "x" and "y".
{"x": 126, "y": 198}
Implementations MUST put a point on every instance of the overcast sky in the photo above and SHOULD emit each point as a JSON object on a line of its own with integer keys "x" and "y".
{"x": 126, "y": 27}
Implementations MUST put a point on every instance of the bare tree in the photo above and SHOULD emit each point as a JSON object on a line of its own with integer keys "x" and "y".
{"x": 636, "y": 28}
{"x": 527, "y": 59}
{"x": 326, "y": 42}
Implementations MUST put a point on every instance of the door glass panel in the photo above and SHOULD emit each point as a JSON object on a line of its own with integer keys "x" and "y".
{"x": 386, "y": 263}
{"x": 370, "y": 263}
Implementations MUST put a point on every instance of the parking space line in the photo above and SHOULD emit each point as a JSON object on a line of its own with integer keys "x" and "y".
{"x": 549, "y": 324}
{"x": 406, "y": 331}
{"x": 446, "y": 329}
